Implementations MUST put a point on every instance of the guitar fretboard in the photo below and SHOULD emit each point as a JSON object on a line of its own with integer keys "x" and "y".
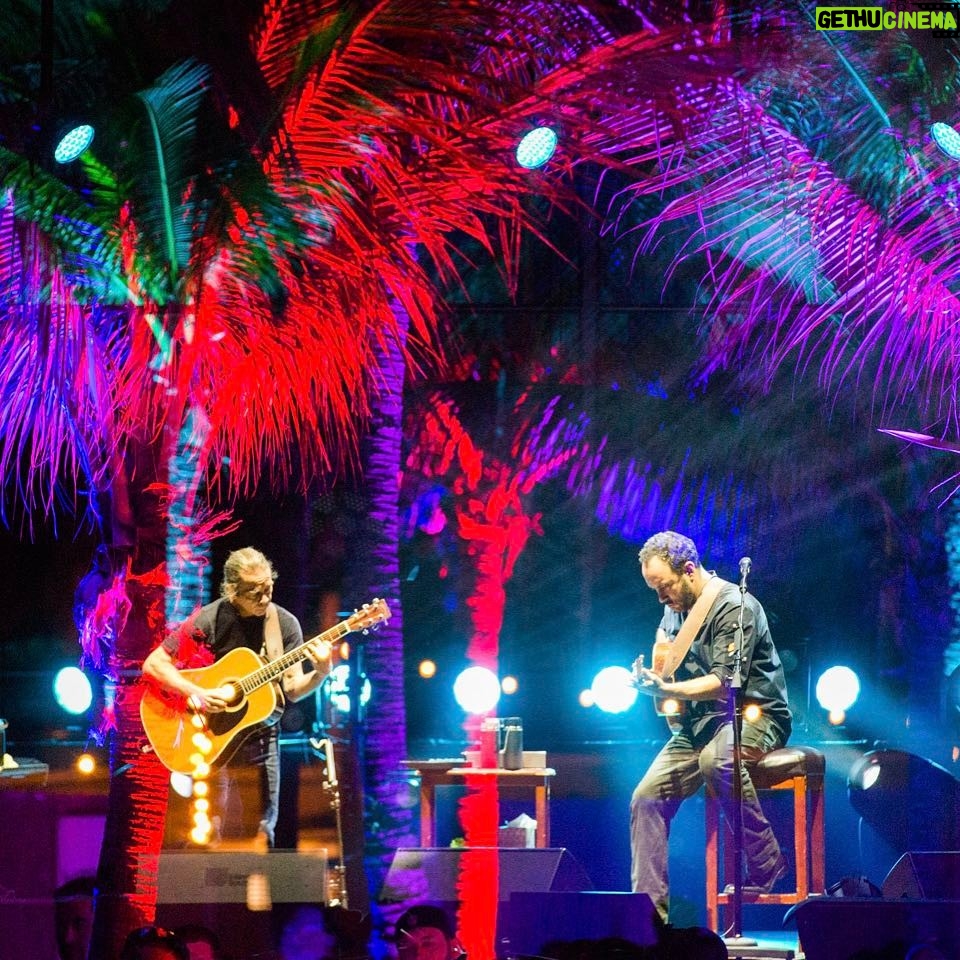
{"x": 275, "y": 668}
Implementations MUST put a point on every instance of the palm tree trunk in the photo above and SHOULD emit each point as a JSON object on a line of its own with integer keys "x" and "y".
{"x": 380, "y": 742}
{"x": 137, "y": 801}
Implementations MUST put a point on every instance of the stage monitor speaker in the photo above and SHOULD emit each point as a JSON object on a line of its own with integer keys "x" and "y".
{"x": 528, "y": 922}
{"x": 432, "y": 873}
{"x": 246, "y": 898}
{"x": 927, "y": 875}
{"x": 832, "y": 928}
{"x": 280, "y": 876}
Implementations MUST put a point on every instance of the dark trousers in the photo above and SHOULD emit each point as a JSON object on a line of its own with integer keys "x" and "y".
{"x": 681, "y": 767}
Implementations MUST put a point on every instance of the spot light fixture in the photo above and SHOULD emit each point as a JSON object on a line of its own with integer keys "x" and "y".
{"x": 536, "y": 147}
{"x": 72, "y": 142}
{"x": 947, "y": 138}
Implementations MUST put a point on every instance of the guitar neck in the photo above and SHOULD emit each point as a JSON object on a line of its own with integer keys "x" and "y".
{"x": 275, "y": 668}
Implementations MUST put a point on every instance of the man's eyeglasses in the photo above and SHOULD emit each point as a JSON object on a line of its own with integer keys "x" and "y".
{"x": 255, "y": 590}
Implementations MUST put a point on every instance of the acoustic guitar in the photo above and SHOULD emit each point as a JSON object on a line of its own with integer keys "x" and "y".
{"x": 174, "y": 726}
{"x": 661, "y": 659}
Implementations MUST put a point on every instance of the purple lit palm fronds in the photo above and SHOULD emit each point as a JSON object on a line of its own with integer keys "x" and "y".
{"x": 59, "y": 362}
{"x": 802, "y": 267}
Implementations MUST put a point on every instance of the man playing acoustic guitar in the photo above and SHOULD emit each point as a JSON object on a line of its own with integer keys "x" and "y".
{"x": 697, "y": 682}
{"x": 243, "y": 617}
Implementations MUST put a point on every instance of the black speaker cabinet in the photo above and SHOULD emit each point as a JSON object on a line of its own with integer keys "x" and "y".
{"x": 432, "y": 873}
{"x": 832, "y": 928}
{"x": 928, "y": 875}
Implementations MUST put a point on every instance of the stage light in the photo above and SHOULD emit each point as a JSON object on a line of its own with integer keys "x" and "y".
{"x": 536, "y": 147}
{"x": 752, "y": 712}
{"x": 72, "y": 690}
{"x": 86, "y": 764}
{"x": 476, "y": 690}
{"x": 838, "y": 689}
{"x": 73, "y": 143}
{"x": 339, "y": 687}
{"x": 912, "y": 802}
{"x": 509, "y": 685}
{"x": 427, "y": 669}
{"x": 613, "y": 690}
{"x": 946, "y": 138}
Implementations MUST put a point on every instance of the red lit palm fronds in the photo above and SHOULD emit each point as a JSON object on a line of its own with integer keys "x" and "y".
{"x": 409, "y": 113}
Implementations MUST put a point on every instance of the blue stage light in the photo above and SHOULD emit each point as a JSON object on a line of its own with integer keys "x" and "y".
{"x": 72, "y": 690}
{"x": 838, "y": 689}
{"x": 73, "y": 143}
{"x": 536, "y": 147}
{"x": 613, "y": 690}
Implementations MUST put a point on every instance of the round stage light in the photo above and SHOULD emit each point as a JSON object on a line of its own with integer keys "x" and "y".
{"x": 427, "y": 669}
{"x": 476, "y": 690}
{"x": 72, "y": 690}
{"x": 536, "y": 147}
{"x": 73, "y": 143}
{"x": 613, "y": 690}
{"x": 338, "y": 688}
{"x": 838, "y": 689}
{"x": 509, "y": 685}
{"x": 946, "y": 138}
{"x": 86, "y": 764}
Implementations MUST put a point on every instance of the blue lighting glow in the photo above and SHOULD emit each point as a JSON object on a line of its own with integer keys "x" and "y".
{"x": 838, "y": 689}
{"x": 338, "y": 687}
{"x": 613, "y": 690}
{"x": 72, "y": 690}
{"x": 536, "y": 147}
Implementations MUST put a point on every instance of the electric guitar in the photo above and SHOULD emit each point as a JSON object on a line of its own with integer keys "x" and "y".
{"x": 180, "y": 733}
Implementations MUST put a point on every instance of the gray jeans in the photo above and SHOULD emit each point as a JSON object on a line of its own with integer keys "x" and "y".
{"x": 260, "y": 755}
{"x": 681, "y": 767}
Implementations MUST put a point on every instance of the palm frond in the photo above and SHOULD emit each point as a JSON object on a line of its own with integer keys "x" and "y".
{"x": 171, "y": 105}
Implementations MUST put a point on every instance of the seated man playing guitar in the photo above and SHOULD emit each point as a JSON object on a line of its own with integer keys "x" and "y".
{"x": 244, "y": 618}
{"x": 692, "y": 670}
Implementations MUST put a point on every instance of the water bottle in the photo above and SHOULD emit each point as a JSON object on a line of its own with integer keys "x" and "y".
{"x": 489, "y": 737}
{"x": 511, "y": 756}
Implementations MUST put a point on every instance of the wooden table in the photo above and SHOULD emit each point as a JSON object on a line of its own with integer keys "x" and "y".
{"x": 453, "y": 773}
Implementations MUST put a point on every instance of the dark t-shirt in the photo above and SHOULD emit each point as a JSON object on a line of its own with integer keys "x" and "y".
{"x": 220, "y": 628}
{"x": 713, "y": 651}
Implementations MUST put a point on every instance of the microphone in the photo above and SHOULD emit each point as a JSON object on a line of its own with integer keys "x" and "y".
{"x": 744, "y": 570}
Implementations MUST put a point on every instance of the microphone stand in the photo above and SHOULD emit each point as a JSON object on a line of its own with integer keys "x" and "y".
{"x": 736, "y": 937}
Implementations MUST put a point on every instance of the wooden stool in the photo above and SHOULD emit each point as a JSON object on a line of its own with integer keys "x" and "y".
{"x": 800, "y": 769}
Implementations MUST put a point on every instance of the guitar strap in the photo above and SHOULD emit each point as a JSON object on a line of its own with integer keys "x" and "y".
{"x": 273, "y": 644}
{"x": 691, "y": 625}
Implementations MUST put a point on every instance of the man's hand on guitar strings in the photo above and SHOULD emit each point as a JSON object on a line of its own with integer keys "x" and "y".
{"x": 318, "y": 652}
{"x": 646, "y": 681}
{"x": 215, "y": 700}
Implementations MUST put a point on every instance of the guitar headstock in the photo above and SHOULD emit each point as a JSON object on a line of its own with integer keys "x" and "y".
{"x": 369, "y": 615}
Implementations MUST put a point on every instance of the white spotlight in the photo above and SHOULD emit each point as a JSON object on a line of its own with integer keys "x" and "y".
{"x": 477, "y": 690}
{"x": 613, "y": 690}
